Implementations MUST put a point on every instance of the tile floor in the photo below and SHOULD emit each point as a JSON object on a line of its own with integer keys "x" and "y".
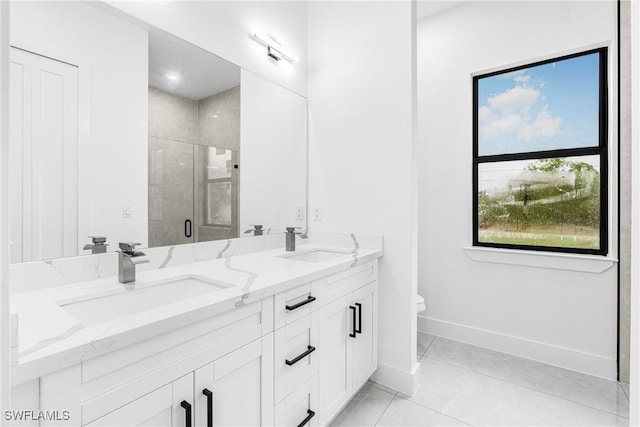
{"x": 466, "y": 385}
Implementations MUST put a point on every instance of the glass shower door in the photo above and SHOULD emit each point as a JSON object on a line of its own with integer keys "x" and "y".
{"x": 171, "y": 192}
{"x": 217, "y": 190}
{"x": 193, "y": 193}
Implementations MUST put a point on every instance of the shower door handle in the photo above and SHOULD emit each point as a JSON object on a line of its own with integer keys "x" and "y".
{"x": 187, "y": 228}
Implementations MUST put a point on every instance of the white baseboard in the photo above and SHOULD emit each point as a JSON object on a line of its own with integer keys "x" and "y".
{"x": 563, "y": 357}
{"x": 405, "y": 382}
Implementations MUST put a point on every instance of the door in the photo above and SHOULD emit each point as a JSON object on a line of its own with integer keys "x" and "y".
{"x": 364, "y": 361}
{"x": 162, "y": 407}
{"x": 237, "y": 389}
{"x": 43, "y": 148}
{"x": 171, "y": 207}
{"x": 335, "y": 357}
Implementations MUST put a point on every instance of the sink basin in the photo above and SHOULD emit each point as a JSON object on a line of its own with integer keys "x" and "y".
{"x": 141, "y": 297}
{"x": 315, "y": 255}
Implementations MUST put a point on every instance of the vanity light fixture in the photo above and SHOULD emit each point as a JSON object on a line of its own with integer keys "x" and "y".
{"x": 274, "y": 49}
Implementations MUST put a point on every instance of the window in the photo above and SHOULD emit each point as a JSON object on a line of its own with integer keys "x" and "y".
{"x": 218, "y": 203}
{"x": 540, "y": 155}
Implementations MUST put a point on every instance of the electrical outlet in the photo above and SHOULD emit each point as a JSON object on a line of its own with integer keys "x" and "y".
{"x": 299, "y": 213}
{"x": 317, "y": 214}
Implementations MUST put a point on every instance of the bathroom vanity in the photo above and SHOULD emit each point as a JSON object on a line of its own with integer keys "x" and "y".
{"x": 215, "y": 330}
{"x": 264, "y": 338}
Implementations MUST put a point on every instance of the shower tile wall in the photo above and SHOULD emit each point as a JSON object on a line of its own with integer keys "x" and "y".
{"x": 172, "y": 117}
{"x": 219, "y": 120}
{"x": 179, "y": 130}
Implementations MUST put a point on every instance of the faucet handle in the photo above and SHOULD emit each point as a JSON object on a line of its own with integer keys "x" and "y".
{"x": 302, "y": 234}
{"x": 98, "y": 239}
{"x": 256, "y": 227}
{"x": 128, "y": 247}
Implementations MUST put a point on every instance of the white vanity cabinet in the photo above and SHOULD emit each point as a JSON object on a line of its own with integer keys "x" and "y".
{"x": 334, "y": 356}
{"x": 229, "y": 391}
{"x": 161, "y": 407}
{"x": 296, "y": 358}
{"x": 291, "y": 359}
{"x": 229, "y": 354}
{"x": 348, "y": 336}
{"x": 237, "y": 389}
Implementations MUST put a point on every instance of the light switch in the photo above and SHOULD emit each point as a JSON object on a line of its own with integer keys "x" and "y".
{"x": 126, "y": 212}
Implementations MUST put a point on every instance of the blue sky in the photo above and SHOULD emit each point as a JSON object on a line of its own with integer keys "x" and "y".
{"x": 545, "y": 107}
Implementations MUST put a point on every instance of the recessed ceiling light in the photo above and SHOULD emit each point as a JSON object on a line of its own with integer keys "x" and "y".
{"x": 172, "y": 77}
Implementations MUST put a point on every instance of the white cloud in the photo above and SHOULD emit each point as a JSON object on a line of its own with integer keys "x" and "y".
{"x": 510, "y": 113}
{"x": 546, "y": 124}
{"x": 508, "y": 124}
{"x": 517, "y": 99}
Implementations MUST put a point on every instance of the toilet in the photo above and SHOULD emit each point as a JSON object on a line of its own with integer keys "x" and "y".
{"x": 420, "y": 304}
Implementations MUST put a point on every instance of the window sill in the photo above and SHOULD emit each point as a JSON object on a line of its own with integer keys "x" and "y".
{"x": 558, "y": 261}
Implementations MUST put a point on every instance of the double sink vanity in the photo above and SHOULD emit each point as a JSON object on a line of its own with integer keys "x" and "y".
{"x": 215, "y": 330}
{"x": 252, "y": 336}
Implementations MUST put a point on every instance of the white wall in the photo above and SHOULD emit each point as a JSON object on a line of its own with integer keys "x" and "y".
{"x": 113, "y": 74}
{"x": 5, "y": 381}
{"x": 561, "y": 317}
{"x": 225, "y": 28}
{"x": 361, "y": 89}
{"x": 273, "y": 154}
{"x": 634, "y": 409}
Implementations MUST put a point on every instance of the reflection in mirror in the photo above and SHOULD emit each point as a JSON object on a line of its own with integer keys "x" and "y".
{"x": 194, "y": 143}
{"x": 120, "y": 130}
{"x": 78, "y": 107}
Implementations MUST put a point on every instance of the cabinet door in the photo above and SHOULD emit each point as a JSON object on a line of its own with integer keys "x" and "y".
{"x": 161, "y": 407}
{"x": 203, "y": 395}
{"x": 241, "y": 384}
{"x": 335, "y": 356}
{"x": 365, "y": 354}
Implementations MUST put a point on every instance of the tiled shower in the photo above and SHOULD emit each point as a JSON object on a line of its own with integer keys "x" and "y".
{"x": 193, "y": 167}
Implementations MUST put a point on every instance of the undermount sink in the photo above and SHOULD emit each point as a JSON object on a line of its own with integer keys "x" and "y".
{"x": 315, "y": 255}
{"x": 141, "y": 297}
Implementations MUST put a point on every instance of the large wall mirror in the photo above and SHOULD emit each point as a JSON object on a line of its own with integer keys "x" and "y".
{"x": 121, "y": 130}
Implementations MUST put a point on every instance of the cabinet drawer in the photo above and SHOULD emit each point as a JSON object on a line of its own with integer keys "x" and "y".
{"x": 296, "y": 355}
{"x": 341, "y": 284}
{"x": 294, "y": 304}
{"x": 301, "y": 406}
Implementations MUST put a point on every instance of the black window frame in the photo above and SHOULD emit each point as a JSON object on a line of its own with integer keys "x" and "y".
{"x": 601, "y": 150}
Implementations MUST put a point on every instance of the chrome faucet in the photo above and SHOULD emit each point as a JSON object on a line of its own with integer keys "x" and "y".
{"x": 291, "y": 237}
{"x": 256, "y": 230}
{"x": 127, "y": 261}
{"x": 97, "y": 245}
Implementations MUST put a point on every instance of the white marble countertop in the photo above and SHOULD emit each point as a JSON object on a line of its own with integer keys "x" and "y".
{"x": 50, "y": 338}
